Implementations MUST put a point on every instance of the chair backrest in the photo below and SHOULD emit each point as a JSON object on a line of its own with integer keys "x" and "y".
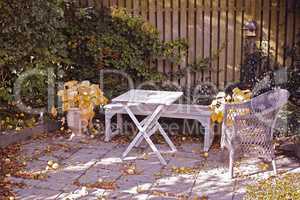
{"x": 254, "y": 121}
{"x": 262, "y": 106}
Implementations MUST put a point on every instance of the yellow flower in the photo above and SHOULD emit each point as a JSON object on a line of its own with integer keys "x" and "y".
{"x": 66, "y": 106}
{"x": 60, "y": 93}
{"x": 214, "y": 117}
{"x": 219, "y": 117}
{"x": 53, "y": 111}
{"x": 236, "y": 90}
{"x": 70, "y": 84}
{"x": 82, "y": 95}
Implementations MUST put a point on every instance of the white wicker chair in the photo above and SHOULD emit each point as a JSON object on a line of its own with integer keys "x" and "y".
{"x": 248, "y": 127}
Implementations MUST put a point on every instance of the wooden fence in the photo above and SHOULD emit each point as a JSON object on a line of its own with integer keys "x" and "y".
{"x": 209, "y": 25}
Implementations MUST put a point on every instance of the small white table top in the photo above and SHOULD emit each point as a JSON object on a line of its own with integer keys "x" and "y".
{"x": 148, "y": 97}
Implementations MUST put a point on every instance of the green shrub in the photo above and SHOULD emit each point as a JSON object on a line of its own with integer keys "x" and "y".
{"x": 113, "y": 39}
{"x": 30, "y": 36}
{"x": 78, "y": 41}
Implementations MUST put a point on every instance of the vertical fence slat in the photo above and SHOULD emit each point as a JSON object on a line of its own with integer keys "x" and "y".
{"x": 210, "y": 39}
{"x": 152, "y": 20}
{"x": 281, "y": 33}
{"x": 195, "y": 37}
{"x": 286, "y": 22}
{"x": 297, "y": 29}
{"x": 198, "y": 36}
{"x": 226, "y": 43}
{"x": 261, "y": 22}
{"x": 113, "y": 3}
{"x": 136, "y": 7}
{"x": 191, "y": 37}
{"x": 206, "y": 38}
{"x": 90, "y": 3}
{"x": 214, "y": 35}
{"x": 144, "y": 9}
{"x": 121, "y": 3}
{"x": 172, "y": 11}
{"x": 222, "y": 43}
{"x": 168, "y": 30}
{"x": 156, "y": 25}
{"x": 294, "y": 29}
{"x": 278, "y": 6}
{"x": 203, "y": 35}
{"x": 238, "y": 30}
{"x": 235, "y": 43}
{"x": 231, "y": 42}
{"x": 218, "y": 42}
{"x": 269, "y": 22}
{"x": 175, "y": 29}
{"x": 242, "y": 32}
{"x": 160, "y": 28}
{"x": 182, "y": 22}
{"x": 291, "y": 31}
{"x": 163, "y": 33}
{"x": 105, "y": 3}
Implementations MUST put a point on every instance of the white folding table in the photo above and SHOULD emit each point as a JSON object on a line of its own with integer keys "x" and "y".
{"x": 148, "y": 126}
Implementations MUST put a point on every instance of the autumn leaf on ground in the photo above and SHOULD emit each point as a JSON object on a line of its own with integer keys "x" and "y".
{"x": 32, "y": 175}
{"x": 263, "y": 166}
{"x": 130, "y": 169}
{"x": 53, "y": 112}
{"x": 169, "y": 194}
{"x": 100, "y": 184}
{"x": 183, "y": 170}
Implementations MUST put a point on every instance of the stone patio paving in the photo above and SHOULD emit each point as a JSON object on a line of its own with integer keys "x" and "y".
{"x": 83, "y": 166}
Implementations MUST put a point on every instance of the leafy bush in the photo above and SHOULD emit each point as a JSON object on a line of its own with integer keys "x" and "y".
{"x": 38, "y": 34}
{"x": 30, "y": 36}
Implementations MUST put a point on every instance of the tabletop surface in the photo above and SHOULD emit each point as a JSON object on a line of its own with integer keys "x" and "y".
{"x": 148, "y": 97}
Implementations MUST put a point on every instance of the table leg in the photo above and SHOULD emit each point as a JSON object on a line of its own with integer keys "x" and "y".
{"x": 142, "y": 131}
{"x": 164, "y": 134}
{"x": 142, "y": 124}
{"x": 131, "y": 145}
{"x": 120, "y": 123}
{"x": 108, "y": 132}
{"x": 154, "y": 149}
{"x": 151, "y": 132}
{"x": 207, "y": 136}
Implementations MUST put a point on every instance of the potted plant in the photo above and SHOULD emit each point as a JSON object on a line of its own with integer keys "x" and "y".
{"x": 79, "y": 100}
{"x": 217, "y": 105}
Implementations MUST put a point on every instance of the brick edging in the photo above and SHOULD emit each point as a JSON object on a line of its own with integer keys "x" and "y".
{"x": 10, "y": 137}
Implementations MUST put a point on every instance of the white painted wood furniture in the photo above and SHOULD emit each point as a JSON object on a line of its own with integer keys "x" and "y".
{"x": 148, "y": 126}
{"x": 181, "y": 111}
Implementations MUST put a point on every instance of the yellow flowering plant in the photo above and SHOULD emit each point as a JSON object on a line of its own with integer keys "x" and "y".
{"x": 82, "y": 95}
{"x": 217, "y": 105}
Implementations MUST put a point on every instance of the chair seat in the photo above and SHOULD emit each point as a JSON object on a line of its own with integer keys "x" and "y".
{"x": 251, "y": 132}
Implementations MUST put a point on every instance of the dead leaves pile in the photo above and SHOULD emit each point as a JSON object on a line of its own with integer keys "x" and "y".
{"x": 275, "y": 188}
{"x": 169, "y": 195}
{"x": 39, "y": 175}
{"x": 12, "y": 165}
{"x": 183, "y": 170}
{"x": 100, "y": 184}
{"x": 51, "y": 165}
{"x": 17, "y": 121}
{"x": 263, "y": 166}
{"x": 130, "y": 169}
{"x": 9, "y": 166}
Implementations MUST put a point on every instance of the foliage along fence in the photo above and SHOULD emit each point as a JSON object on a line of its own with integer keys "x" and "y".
{"x": 209, "y": 25}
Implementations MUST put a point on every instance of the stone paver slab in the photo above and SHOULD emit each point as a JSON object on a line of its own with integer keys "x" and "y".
{"x": 37, "y": 194}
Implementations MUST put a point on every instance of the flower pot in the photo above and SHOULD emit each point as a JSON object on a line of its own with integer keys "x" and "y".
{"x": 74, "y": 121}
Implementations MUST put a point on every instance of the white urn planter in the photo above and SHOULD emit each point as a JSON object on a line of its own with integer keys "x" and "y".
{"x": 74, "y": 121}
